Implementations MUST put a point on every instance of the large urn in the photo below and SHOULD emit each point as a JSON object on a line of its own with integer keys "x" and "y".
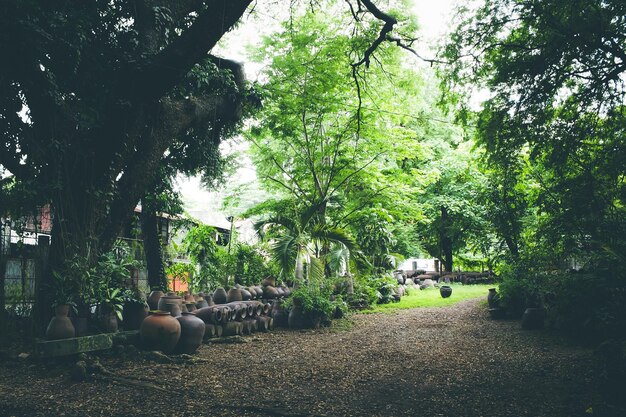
{"x": 160, "y": 331}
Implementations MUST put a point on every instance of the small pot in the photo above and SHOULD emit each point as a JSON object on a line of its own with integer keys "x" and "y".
{"x": 445, "y": 291}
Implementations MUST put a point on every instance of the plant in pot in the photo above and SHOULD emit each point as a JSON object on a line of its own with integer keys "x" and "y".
{"x": 135, "y": 309}
{"x": 309, "y": 306}
{"x": 110, "y": 307}
{"x": 60, "y": 326}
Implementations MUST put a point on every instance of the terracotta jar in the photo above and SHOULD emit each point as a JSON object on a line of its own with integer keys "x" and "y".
{"x": 60, "y": 327}
{"x": 445, "y": 291}
{"x": 201, "y": 303}
{"x": 234, "y": 294}
{"x": 270, "y": 292}
{"x": 269, "y": 281}
{"x": 259, "y": 292}
{"x": 160, "y": 331}
{"x": 219, "y": 296}
{"x": 173, "y": 308}
{"x": 210, "y": 315}
{"x": 166, "y": 299}
{"x": 227, "y": 314}
{"x": 239, "y": 311}
{"x": 280, "y": 315}
{"x": 280, "y": 292}
{"x": 252, "y": 292}
{"x": 108, "y": 320}
{"x": 153, "y": 299}
{"x": 263, "y": 323}
{"x": 245, "y": 294}
{"x": 493, "y": 298}
{"x": 191, "y": 333}
{"x": 133, "y": 314}
{"x": 297, "y": 319}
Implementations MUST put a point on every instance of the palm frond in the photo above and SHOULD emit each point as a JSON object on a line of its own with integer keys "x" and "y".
{"x": 334, "y": 235}
{"x": 285, "y": 253}
{"x": 316, "y": 271}
{"x": 277, "y": 220}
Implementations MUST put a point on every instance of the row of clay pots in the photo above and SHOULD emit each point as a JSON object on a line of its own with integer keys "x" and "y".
{"x": 235, "y": 311}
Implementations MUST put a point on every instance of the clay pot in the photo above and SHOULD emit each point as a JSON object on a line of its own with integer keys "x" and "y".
{"x": 259, "y": 292}
{"x": 270, "y": 292}
{"x": 297, "y": 319}
{"x": 191, "y": 307}
{"x": 232, "y": 328}
{"x": 173, "y": 308}
{"x": 210, "y": 315}
{"x": 166, "y": 299}
{"x": 219, "y": 296}
{"x": 209, "y": 300}
{"x": 252, "y": 292}
{"x": 153, "y": 299}
{"x": 263, "y": 323}
{"x": 191, "y": 333}
{"x": 238, "y": 311}
{"x": 269, "y": 281}
{"x": 60, "y": 326}
{"x": 108, "y": 320}
{"x": 286, "y": 290}
{"x": 160, "y": 331}
{"x": 280, "y": 292}
{"x": 189, "y": 298}
{"x": 533, "y": 318}
{"x": 248, "y": 326}
{"x": 493, "y": 298}
{"x": 445, "y": 291}
{"x": 227, "y": 314}
{"x": 133, "y": 314}
{"x": 209, "y": 331}
{"x": 81, "y": 326}
{"x": 201, "y": 303}
{"x": 234, "y": 294}
{"x": 245, "y": 294}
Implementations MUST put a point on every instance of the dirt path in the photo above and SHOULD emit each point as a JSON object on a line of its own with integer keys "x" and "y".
{"x": 450, "y": 361}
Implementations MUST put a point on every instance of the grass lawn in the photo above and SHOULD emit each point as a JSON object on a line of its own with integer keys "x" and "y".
{"x": 431, "y": 298}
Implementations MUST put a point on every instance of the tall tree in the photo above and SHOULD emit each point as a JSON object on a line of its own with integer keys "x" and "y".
{"x": 555, "y": 70}
{"x": 97, "y": 96}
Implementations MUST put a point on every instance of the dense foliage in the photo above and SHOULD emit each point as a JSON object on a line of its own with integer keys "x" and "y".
{"x": 553, "y": 129}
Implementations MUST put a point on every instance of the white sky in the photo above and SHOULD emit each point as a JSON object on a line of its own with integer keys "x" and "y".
{"x": 433, "y": 18}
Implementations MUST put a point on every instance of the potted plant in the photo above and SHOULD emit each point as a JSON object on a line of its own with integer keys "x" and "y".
{"x": 110, "y": 306}
{"x": 60, "y": 326}
{"x": 135, "y": 309}
{"x": 309, "y": 305}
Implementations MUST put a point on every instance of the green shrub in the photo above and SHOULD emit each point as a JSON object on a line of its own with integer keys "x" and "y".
{"x": 315, "y": 300}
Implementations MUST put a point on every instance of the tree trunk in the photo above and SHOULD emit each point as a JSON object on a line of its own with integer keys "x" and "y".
{"x": 152, "y": 248}
{"x": 446, "y": 241}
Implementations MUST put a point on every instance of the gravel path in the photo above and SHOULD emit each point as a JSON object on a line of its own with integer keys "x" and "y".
{"x": 451, "y": 361}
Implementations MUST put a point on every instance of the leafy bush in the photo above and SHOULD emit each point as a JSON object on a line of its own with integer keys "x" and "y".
{"x": 372, "y": 289}
{"x": 315, "y": 300}
{"x": 589, "y": 305}
{"x": 251, "y": 266}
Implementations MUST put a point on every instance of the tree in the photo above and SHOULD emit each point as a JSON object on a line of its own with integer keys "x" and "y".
{"x": 299, "y": 239}
{"x": 555, "y": 71}
{"x": 97, "y": 97}
{"x": 453, "y": 215}
{"x": 314, "y": 137}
